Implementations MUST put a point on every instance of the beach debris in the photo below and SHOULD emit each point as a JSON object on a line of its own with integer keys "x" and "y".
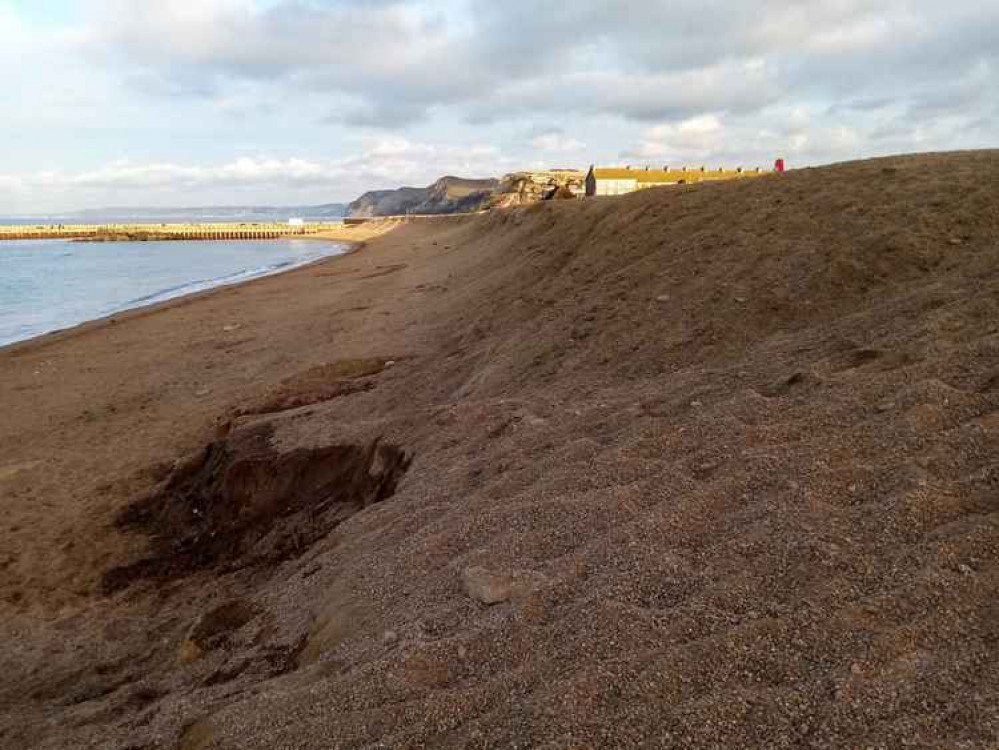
{"x": 486, "y": 586}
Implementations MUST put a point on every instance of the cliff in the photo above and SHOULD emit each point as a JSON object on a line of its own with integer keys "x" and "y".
{"x": 523, "y": 188}
{"x": 454, "y": 195}
{"x": 448, "y": 195}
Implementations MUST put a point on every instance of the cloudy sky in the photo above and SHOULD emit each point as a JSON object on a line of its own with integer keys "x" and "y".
{"x": 195, "y": 102}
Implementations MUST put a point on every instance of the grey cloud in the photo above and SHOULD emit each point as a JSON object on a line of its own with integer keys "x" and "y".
{"x": 644, "y": 61}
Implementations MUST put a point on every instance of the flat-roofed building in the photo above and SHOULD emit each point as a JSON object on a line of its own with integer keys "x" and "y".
{"x": 621, "y": 180}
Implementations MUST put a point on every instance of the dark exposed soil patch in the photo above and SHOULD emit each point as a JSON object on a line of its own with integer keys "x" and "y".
{"x": 241, "y": 502}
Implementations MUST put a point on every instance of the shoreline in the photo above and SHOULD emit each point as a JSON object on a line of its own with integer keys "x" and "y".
{"x": 353, "y": 238}
{"x": 148, "y": 308}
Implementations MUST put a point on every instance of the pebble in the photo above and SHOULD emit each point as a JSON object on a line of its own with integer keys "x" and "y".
{"x": 662, "y": 298}
{"x": 232, "y": 327}
{"x": 486, "y": 586}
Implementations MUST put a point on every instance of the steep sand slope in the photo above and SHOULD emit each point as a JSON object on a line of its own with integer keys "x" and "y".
{"x": 736, "y": 445}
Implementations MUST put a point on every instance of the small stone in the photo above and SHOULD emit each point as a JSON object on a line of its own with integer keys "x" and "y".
{"x": 696, "y": 404}
{"x": 855, "y": 668}
{"x": 741, "y": 300}
{"x": 956, "y": 241}
{"x": 211, "y": 629}
{"x": 202, "y": 391}
{"x": 662, "y": 298}
{"x": 231, "y": 328}
{"x": 486, "y": 586}
{"x": 390, "y": 363}
{"x": 188, "y": 652}
{"x": 885, "y": 406}
{"x": 966, "y": 569}
{"x": 389, "y": 637}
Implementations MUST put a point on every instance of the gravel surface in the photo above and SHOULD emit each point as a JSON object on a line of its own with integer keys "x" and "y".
{"x": 713, "y": 466}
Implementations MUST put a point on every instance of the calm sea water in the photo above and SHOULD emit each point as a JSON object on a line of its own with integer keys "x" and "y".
{"x": 47, "y": 285}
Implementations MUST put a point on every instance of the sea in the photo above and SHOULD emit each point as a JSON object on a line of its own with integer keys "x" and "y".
{"x": 49, "y": 285}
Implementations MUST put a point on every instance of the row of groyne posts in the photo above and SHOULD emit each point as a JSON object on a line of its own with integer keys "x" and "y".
{"x": 161, "y": 231}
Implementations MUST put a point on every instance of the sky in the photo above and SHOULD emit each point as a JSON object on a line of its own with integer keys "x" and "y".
{"x": 285, "y": 102}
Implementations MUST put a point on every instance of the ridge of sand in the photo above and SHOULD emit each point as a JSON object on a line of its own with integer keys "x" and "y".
{"x": 724, "y": 456}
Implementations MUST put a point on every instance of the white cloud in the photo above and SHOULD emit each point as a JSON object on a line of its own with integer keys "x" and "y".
{"x": 557, "y": 142}
{"x": 245, "y": 171}
{"x": 403, "y": 59}
{"x": 383, "y": 162}
{"x": 698, "y": 133}
{"x": 393, "y": 161}
{"x": 10, "y": 183}
{"x": 697, "y": 136}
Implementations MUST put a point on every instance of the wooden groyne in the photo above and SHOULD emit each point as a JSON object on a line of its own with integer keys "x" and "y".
{"x": 141, "y": 232}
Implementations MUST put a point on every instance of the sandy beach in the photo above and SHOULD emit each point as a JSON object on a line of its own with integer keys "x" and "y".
{"x": 711, "y": 466}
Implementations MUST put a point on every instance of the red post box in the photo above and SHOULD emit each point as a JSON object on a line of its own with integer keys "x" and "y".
{"x": 779, "y": 165}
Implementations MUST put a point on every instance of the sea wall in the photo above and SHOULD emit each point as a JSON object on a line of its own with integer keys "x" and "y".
{"x": 140, "y": 232}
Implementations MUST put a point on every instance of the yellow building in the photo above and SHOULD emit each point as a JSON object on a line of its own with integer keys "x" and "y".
{"x": 621, "y": 180}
